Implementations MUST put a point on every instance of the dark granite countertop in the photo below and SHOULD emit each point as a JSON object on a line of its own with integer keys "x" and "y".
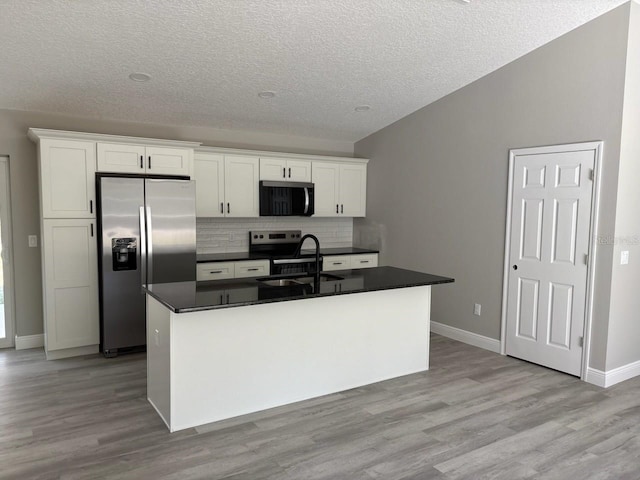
{"x": 238, "y": 256}
{"x": 183, "y": 297}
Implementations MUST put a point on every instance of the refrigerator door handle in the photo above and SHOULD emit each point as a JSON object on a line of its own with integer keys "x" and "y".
{"x": 143, "y": 250}
{"x": 149, "y": 247}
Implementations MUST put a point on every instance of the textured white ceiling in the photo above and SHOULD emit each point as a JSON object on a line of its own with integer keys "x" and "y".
{"x": 209, "y": 58}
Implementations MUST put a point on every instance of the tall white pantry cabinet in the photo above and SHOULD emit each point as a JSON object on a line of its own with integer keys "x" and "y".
{"x": 70, "y": 256}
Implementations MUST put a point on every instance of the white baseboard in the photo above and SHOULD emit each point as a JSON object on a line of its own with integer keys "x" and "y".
{"x": 465, "y": 336}
{"x": 611, "y": 377}
{"x": 29, "y": 341}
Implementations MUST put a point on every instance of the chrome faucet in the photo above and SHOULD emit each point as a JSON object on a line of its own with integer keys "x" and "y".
{"x": 299, "y": 248}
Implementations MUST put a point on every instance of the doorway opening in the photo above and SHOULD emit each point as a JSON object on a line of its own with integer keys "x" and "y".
{"x": 6, "y": 263}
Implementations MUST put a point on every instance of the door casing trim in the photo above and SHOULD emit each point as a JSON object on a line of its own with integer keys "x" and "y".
{"x": 597, "y": 147}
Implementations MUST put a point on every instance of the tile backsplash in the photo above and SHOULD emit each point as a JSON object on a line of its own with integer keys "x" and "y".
{"x": 223, "y": 235}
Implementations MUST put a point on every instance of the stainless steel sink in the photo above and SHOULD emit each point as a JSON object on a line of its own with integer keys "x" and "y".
{"x": 291, "y": 281}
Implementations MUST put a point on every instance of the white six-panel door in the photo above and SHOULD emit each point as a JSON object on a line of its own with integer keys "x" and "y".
{"x": 548, "y": 246}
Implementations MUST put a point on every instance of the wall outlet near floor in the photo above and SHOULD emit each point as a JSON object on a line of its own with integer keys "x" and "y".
{"x": 33, "y": 241}
{"x": 476, "y": 309}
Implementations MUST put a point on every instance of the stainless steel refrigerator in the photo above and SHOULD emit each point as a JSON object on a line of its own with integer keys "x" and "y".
{"x": 146, "y": 234}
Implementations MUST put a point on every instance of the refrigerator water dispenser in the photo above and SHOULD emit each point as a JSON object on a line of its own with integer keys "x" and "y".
{"x": 123, "y": 253}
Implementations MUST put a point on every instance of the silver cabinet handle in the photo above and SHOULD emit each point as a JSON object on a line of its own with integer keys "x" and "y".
{"x": 92, "y": 229}
{"x": 289, "y": 172}
{"x": 215, "y": 271}
{"x": 252, "y": 269}
{"x": 149, "y": 162}
{"x": 364, "y": 261}
{"x": 342, "y": 208}
{"x": 337, "y": 208}
{"x": 221, "y": 207}
{"x": 141, "y": 161}
{"x": 284, "y": 175}
{"x": 90, "y": 206}
{"x": 228, "y": 208}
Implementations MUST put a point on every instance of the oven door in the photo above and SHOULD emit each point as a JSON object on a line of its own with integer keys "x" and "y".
{"x": 286, "y": 266}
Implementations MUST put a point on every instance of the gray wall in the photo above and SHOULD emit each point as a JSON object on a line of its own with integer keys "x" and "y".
{"x": 24, "y": 182}
{"x": 624, "y": 317}
{"x": 437, "y": 179}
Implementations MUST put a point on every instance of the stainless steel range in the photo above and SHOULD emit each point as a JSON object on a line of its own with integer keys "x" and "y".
{"x": 280, "y": 246}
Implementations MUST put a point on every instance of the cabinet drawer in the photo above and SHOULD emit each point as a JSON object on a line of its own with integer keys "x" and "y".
{"x": 364, "y": 260}
{"x": 215, "y": 271}
{"x": 252, "y": 269}
{"x": 336, "y": 262}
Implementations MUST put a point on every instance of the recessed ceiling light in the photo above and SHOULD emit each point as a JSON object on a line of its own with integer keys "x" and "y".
{"x": 140, "y": 77}
{"x": 267, "y": 94}
{"x": 362, "y": 108}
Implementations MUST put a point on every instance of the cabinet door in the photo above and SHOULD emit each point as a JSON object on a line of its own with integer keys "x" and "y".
{"x": 168, "y": 161}
{"x": 208, "y": 173}
{"x": 299, "y": 170}
{"x": 325, "y": 176}
{"x": 251, "y": 268}
{"x": 336, "y": 262}
{"x": 241, "y": 178}
{"x": 67, "y": 178}
{"x": 121, "y": 158}
{"x": 273, "y": 169}
{"x": 214, "y": 271}
{"x": 70, "y": 283}
{"x": 353, "y": 190}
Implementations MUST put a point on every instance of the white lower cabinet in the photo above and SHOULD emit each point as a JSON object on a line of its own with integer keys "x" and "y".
{"x": 215, "y": 271}
{"x": 253, "y": 268}
{"x": 225, "y": 270}
{"x": 346, "y": 262}
{"x": 70, "y": 261}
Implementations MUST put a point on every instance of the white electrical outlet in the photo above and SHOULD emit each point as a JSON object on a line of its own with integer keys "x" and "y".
{"x": 624, "y": 257}
{"x": 476, "y": 309}
{"x": 33, "y": 241}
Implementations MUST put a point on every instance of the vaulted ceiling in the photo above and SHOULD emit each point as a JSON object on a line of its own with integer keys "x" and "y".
{"x": 209, "y": 59}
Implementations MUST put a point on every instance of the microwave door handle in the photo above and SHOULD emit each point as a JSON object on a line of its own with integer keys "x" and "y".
{"x": 143, "y": 249}
{"x": 306, "y": 200}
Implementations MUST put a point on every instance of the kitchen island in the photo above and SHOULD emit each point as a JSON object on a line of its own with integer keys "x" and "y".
{"x": 220, "y": 349}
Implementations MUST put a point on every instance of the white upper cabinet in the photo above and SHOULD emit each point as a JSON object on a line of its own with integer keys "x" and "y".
{"x": 353, "y": 190}
{"x": 67, "y": 178}
{"x": 286, "y": 170}
{"x": 326, "y": 189}
{"x": 241, "y": 180}
{"x": 208, "y": 173}
{"x": 141, "y": 159}
{"x": 340, "y": 189}
{"x": 226, "y": 185}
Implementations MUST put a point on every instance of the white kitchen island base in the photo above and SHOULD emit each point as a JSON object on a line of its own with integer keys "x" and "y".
{"x": 210, "y": 365}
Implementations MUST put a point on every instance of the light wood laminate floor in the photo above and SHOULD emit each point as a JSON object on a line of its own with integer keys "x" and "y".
{"x": 474, "y": 415}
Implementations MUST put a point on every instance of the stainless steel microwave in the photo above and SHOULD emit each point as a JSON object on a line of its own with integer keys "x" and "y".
{"x": 278, "y": 199}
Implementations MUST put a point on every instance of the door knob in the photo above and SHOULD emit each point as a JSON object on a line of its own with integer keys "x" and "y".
{"x": 515, "y": 267}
